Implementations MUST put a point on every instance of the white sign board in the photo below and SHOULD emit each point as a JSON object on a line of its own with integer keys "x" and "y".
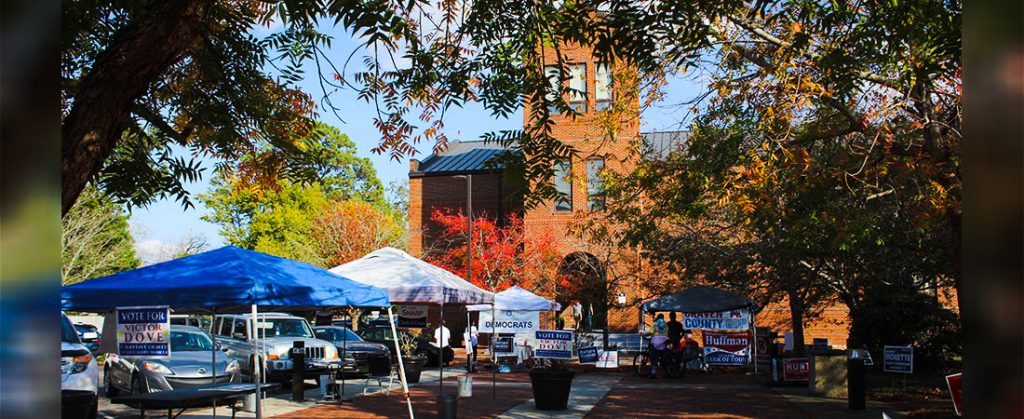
{"x": 144, "y": 331}
{"x": 608, "y": 359}
{"x": 509, "y": 321}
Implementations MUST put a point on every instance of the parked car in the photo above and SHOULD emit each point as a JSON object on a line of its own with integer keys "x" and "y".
{"x": 188, "y": 366}
{"x": 380, "y": 332}
{"x": 188, "y": 320}
{"x": 355, "y": 352}
{"x": 79, "y": 375}
{"x": 90, "y": 336}
{"x": 280, "y": 330}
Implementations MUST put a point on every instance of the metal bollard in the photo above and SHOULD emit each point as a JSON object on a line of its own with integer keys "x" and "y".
{"x": 298, "y": 371}
{"x": 856, "y": 381}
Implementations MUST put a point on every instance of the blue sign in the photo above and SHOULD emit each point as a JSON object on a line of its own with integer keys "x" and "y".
{"x": 588, "y": 355}
{"x": 724, "y": 358}
{"x": 899, "y": 359}
{"x": 144, "y": 331}
{"x": 553, "y": 344}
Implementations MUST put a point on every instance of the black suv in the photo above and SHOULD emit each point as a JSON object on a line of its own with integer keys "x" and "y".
{"x": 380, "y": 332}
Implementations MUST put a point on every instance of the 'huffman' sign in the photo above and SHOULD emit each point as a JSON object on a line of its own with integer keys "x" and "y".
{"x": 738, "y": 319}
{"x": 726, "y": 348}
{"x": 144, "y": 331}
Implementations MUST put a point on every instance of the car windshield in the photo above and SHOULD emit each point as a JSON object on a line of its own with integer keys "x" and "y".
{"x": 67, "y": 332}
{"x": 186, "y": 342}
{"x": 285, "y": 328}
{"x": 338, "y": 334}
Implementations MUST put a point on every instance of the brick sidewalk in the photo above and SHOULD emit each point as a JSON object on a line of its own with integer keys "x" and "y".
{"x": 512, "y": 390}
{"x": 694, "y": 396}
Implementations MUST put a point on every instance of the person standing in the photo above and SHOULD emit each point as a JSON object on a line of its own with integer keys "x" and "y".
{"x": 658, "y": 339}
{"x": 442, "y": 336}
{"x": 577, "y": 313}
{"x": 470, "y": 336}
{"x": 675, "y": 330}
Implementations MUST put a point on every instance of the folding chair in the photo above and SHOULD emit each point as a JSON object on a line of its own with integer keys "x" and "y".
{"x": 381, "y": 369}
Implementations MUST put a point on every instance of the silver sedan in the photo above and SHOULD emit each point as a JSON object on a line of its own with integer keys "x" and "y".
{"x": 188, "y": 366}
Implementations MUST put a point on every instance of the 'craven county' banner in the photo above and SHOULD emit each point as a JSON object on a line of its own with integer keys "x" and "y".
{"x": 412, "y": 317}
{"x": 144, "y": 331}
{"x": 726, "y": 348}
{"x": 738, "y": 319}
{"x": 510, "y": 321}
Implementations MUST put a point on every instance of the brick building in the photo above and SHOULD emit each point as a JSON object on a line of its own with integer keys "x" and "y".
{"x": 440, "y": 181}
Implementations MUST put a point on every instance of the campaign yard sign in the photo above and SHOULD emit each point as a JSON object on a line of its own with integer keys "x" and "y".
{"x": 796, "y": 369}
{"x": 727, "y": 348}
{"x": 956, "y": 385}
{"x": 588, "y": 355}
{"x": 503, "y": 345}
{"x": 609, "y": 359}
{"x": 144, "y": 331}
{"x": 556, "y": 344}
{"x": 738, "y": 319}
{"x": 412, "y": 317}
{"x": 510, "y": 321}
{"x": 898, "y": 359}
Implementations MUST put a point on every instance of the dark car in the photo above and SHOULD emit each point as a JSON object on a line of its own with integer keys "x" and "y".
{"x": 381, "y": 333}
{"x": 354, "y": 351}
{"x": 90, "y": 336}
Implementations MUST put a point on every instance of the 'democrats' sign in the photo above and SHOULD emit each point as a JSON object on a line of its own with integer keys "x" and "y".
{"x": 144, "y": 331}
{"x": 738, "y": 319}
{"x": 553, "y": 344}
{"x": 898, "y": 359}
{"x": 510, "y": 321}
{"x": 726, "y": 348}
{"x": 412, "y": 317}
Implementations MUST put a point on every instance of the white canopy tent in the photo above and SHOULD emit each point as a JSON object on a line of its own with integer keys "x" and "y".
{"x": 409, "y": 280}
{"x": 518, "y": 299}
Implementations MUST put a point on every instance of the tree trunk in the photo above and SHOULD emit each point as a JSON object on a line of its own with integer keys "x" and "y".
{"x": 796, "y": 312}
{"x": 136, "y": 57}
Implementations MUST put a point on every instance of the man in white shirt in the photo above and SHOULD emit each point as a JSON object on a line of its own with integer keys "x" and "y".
{"x": 470, "y": 336}
{"x": 442, "y": 336}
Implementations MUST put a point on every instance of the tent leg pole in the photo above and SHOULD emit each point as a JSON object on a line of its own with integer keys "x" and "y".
{"x": 401, "y": 366}
{"x": 440, "y": 351}
{"x": 254, "y": 335}
{"x": 753, "y": 328}
{"x": 494, "y": 357}
{"x": 213, "y": 358}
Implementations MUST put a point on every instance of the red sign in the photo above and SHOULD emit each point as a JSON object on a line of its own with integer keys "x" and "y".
{"x": 796, "y": 369}
{"x": 955, "y": 383}
{"x": 726, "y": 341}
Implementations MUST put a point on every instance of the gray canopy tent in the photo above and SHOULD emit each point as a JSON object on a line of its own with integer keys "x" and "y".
{"x": 700, "y": 299}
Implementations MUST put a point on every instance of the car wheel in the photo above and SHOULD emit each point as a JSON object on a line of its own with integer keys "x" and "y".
{"x": 108, "y": 384}
{"x": 431, "y": 360}
{"x": 95, "y": 408}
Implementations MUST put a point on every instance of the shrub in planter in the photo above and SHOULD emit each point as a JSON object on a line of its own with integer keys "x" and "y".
{"x": 551, "y": 387}
{"x": 412, "y": 361}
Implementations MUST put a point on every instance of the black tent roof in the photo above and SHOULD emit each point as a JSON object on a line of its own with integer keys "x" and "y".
{"x": 699, "y": 299}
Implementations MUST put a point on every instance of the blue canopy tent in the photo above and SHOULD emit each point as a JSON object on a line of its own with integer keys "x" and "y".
{"x": 228, "y": 279}
{"x": 224, "y": 280}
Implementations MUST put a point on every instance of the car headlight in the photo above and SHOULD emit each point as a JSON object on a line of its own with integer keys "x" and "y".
{"x": 332, "y": 352}
{"x": 81, "y": 363}
{"x": 156, "y": 368}
{"x": 232, "y": 367}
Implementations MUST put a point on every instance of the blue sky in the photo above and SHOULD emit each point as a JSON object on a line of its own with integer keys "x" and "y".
{"x": 164, "y": 223}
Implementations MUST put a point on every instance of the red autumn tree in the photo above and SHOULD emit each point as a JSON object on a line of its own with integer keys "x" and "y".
{"x": 503, "y": 255}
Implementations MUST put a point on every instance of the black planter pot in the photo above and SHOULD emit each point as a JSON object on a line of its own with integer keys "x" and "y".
{"x": 551, "y": 387}
{"x": 413, "y": 367}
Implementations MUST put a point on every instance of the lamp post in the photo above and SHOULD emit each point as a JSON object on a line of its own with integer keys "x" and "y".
{"x": 469, "y": 251}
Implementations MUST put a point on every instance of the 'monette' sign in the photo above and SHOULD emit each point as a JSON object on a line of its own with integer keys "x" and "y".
{"x": 144, "y": 331}
{"x": 556, "y": 344}
{"x": 898, "y": 359}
